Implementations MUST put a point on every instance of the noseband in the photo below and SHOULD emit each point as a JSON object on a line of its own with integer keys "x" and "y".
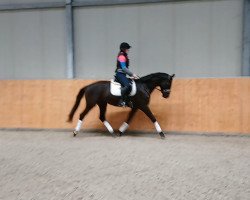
{"x": 164, "y": 90}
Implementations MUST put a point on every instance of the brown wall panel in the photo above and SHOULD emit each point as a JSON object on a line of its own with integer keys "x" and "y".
{"x": 208, "y": 105}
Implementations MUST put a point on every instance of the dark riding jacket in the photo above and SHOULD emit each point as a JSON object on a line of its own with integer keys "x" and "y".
{"x": 123, "y": 67}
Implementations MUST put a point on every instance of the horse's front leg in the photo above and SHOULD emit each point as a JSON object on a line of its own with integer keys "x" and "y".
{"x": 148, "y": 112}
{"x": 125, "y": 125}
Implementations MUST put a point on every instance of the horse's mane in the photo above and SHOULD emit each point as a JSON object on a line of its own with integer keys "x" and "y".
{"x": 154, "y": 77}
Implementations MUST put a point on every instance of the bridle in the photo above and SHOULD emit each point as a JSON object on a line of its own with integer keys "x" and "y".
{"x": 164, "y": 90}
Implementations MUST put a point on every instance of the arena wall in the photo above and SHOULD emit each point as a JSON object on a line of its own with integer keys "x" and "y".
{"x": 195, "y": 105}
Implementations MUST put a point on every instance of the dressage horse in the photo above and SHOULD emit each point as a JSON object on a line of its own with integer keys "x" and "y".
{"x": 99, "y": 93}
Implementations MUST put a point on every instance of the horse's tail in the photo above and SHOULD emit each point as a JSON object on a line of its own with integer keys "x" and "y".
{"x": 77, "y": 102}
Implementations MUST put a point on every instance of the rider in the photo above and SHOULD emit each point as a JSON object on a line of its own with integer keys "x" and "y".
{"x": 121, "y": 72}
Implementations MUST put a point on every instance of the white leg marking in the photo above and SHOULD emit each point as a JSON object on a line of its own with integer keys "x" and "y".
{"x": 78, "y": 126}
{"x": 108, "y": 126}
{"x": 157, "y": 126}
{"x": 123, "y": 127}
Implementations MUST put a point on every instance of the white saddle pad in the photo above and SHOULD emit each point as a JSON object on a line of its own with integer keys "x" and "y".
{"x": 115, "y": 88}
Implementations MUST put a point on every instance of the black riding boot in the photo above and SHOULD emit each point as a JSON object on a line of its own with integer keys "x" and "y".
{"x": 129, "y": 103}
{"x": 125, "y": 101}
{"x": 122, "y": 101}
{"x": 125, "y": 96}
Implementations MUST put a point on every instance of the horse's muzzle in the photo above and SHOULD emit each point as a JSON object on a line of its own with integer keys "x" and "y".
{"x": 165, "y": 93}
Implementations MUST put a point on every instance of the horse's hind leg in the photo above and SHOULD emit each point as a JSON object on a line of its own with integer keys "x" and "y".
{"x": 125, "y": 125}
{"x": 103, "y": 108}
{"x": 82, "y": 115}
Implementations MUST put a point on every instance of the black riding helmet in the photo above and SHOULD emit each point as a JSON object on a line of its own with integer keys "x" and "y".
{"x": 124, "y": 45}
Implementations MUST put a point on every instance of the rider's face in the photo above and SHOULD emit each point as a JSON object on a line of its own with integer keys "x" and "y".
{"x": 126, "y": 50}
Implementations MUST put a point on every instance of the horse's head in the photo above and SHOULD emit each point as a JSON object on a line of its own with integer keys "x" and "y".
{"x": 159, "y": 79}
{"x": 165, "y": 85}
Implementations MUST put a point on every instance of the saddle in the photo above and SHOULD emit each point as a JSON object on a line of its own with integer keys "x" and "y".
{"x": 115, "y": 88}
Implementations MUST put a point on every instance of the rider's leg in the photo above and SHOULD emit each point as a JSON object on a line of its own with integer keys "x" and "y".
{"x": 126, "y": 87}
{"x": 125, "y": 91}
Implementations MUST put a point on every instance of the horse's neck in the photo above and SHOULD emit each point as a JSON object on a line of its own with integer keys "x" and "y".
{"x": 151, "y": 87}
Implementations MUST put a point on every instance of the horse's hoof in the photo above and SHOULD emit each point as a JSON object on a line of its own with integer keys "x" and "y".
{"x": 75, "y": 133}
{"x": 113, "y": 134}
{"x": 119, "y": 133}
{"x": 162, "y": 135}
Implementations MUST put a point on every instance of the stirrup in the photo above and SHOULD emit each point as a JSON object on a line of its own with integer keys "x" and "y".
{"x": 122, "y": 104}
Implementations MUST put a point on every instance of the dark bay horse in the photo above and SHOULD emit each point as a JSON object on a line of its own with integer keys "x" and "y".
{"x": 99, "y": 93}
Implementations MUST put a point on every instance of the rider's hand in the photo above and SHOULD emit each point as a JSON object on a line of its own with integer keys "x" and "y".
{"x": 135, "y": 76}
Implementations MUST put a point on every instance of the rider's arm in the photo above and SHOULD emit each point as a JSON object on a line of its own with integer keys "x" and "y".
{"x": 125, "y": 69}
{"x": 122, "y": 61}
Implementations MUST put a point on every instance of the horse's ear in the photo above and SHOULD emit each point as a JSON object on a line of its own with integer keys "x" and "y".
{"x": 173, "y": 75}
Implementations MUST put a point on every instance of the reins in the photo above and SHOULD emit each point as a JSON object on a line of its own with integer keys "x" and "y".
{"x": 158, "y": 89}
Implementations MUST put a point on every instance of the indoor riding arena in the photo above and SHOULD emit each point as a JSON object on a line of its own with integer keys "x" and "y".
{"x": 51, "y": 49}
